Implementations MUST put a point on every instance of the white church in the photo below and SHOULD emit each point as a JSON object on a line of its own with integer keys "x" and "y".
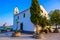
{"x": 22, "y": 19}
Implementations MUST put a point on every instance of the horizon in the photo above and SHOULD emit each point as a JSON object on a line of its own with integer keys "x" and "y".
{"x": 7, "y": 8}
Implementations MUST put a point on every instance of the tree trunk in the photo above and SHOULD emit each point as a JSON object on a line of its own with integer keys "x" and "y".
{"x": 36, "y": 30}
{"x": 56, "y": 26}
{"x": 17, "y": 27}
{"x": 56, "y": 30}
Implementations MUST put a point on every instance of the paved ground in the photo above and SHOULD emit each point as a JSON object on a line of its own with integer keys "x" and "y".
{"x": 49, "y": 36}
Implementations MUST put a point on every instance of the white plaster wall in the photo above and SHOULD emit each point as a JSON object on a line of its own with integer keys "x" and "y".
{"x": 27, "y": 24}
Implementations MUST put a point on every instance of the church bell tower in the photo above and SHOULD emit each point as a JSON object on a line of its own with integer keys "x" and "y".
{"x": 16, "y": 11}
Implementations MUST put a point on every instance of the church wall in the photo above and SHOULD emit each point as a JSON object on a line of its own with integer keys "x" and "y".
{"x": 27, "y": 24}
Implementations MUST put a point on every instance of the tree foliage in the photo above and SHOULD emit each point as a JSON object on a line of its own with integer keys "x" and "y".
{"x": 36, "y": 16}
{"x": 35, "y": 12}
{"x": 43, "y": 21}
{"x": 55, "y": 17}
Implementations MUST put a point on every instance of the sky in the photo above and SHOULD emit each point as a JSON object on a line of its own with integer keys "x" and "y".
{"x": 7, "y": 8}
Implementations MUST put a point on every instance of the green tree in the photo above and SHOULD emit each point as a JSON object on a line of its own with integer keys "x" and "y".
{"x": 16, "y": 25}
{"x": 35, "y": 13}
{"x": 36, "y": 17}
{"x": 55, "y": 17}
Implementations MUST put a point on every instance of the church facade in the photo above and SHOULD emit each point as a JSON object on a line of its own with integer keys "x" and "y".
{"x": 22, "y": 19}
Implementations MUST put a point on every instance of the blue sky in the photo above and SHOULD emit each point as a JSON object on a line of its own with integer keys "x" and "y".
{"x": 7, "y": 8}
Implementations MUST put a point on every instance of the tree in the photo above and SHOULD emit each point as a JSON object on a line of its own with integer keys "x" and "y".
{"x": 35, "y": 12}
{"x": 36, "y": 17}
{"x": 16, "y": 33}
{"x": 16, "y": 25}
{"x": 55, "y": 17}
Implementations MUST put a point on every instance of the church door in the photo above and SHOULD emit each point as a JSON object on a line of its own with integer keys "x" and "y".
{"x": 21, "y": 27}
